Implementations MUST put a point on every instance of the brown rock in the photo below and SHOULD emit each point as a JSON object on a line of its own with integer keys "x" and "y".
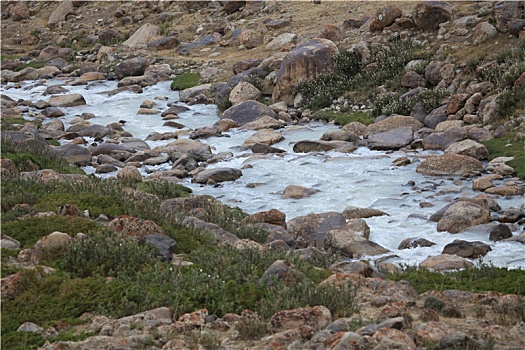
{"x": 412, "y": 80}
{"x": 250, "y": 38}
{"x": 52, "y": 242}
{"x": 298, "y": 192}
{"x": 305, "y": 62}
{"x": 445, "y": 262}
{"x": 429, "y": 14}
{"x": 384, "y": 17}
{"x": 352, "y": 212}
{"x": 19, "y": 11}
{"x": 317, "y": 317}
{"x": 469, "y": 148}
{"x": 244, "y": 91}
{"x": 449, "y": 164}
{"x": 133, "y": 227}
{"x": 311, "y": 230}
{"x": 131, "y": 67}
{"x": 272, "y": 216}
{"x": 129, "y": 174}
{"x": 461, "y": 215}
{"x": 391, "y": 123}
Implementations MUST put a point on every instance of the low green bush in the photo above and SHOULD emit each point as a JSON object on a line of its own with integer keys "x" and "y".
{"x": 28, "y": 231}
{"x": 164, "y": 190}
{"x": 343, "y": 118}
{"x": 476, "y": 279}
{"x": 185, "y": 80}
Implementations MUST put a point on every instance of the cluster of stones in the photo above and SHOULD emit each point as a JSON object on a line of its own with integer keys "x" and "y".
{"x": 454, "y": 128}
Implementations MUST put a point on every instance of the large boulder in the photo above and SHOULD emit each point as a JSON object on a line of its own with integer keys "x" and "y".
{"x": 71, "y": 100}
{"x": 247, "y": 111}
{"x": 440, "y": 140}
{"x": 59, "y": 14}
{"x": 444, "y": 262}
{"x": 244, "y": 91}
{"x": 429, "y": 14}
{"x": 129, "y": 174}
{"x": 55, "y": 240}
{"x": 449, "y": 164}
{"x": 506, "y": 12}
{"x": 384, "y": 17}
{"x": 131, "y": 67}
{"x": 284, "y": 40}
{"x": 311, "y": 230}
{"x": 216, "y": 175}
{"x": 140, "y": 80}
{"x": 19, "y": 11}
{"x": 133, "y": 227}
{"x": 74, "y": 154}
{"x": 465, "y": 249}
{"x": 469, "y": 148}
{"x": 461, "y": 215}
{"x": 305, "y": 62}
{"x": 392, "y": 139}
{"x": 352, "y": 244}
{"x": 140, "y": 39}
{"x": 193, "y": 148}
{"x": 393, "y": 122}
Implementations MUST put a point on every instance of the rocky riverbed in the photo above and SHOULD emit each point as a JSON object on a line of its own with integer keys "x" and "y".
{"x": 412, "y": 188}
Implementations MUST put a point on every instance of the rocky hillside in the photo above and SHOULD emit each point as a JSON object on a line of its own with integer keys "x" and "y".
{"x": 127, "y": 263}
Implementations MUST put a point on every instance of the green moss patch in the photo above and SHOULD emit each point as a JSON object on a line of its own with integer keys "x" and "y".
{"x": 344, "y": 118}
{"x": 185, "y": 80}
{"x": 507, "y": 147}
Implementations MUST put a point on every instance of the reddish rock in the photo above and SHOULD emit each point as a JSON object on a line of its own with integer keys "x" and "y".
{"x": 272, "y": 216}
{"x": 384, "y": 17}
{"x": 317, "y": 317}
{"x": 130, "y": 226}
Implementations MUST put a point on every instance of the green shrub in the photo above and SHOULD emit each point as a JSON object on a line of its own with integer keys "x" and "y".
{"x": 343, "y": 118}
{"x": 164, "y": 190}
{"x": 106, "y": 254}
{"x": 482, "y": 279}
{"x": 35, "y": 65}
{"x": 185, "y": 80}
{"x": 510, "y": 101}
{"x": 30, "y": 153}
{"x": 28, "y": 231}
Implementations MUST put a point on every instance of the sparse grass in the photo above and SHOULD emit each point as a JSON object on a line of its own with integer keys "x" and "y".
{"x": 344, "y": 118}
{"x": 33, "y": 153}
{"x": 185, "y": 80}
{"x": 507, "y": 147}
{"x": 482, "y": 279}
{"x": 36, "y": 65}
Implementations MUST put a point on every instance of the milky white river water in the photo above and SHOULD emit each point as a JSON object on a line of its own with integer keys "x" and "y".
{"x": 364, "y": 178}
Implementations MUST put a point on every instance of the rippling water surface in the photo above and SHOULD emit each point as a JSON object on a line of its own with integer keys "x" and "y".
{"x": 364, "y": 178}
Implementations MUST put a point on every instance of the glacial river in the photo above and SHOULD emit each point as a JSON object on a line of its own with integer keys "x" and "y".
{"x": 363, "y": 178}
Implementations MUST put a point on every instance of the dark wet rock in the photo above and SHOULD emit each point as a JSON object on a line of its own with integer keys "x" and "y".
{"x": 217, "y": 175}
{"x": 165, "y": 245}
{"x": 74, "y": 154}
{"x": 247, "y": 111}
{"x": 465, "y": 249}
{"x": 415, "y": 242}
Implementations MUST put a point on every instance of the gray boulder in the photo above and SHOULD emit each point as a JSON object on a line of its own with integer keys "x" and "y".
{"x": 74, "y": 154}
{"x": 391, "y": 139}
{"x": 247, "y": 111}
{"x": 311, "y": 230}
{"x": 165, "y": 245}
{"x": 307, "y": 146}
{"x": 465, "y": 249}
{"x": 216, "y": 175}
{"x": 131, "y": 67}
